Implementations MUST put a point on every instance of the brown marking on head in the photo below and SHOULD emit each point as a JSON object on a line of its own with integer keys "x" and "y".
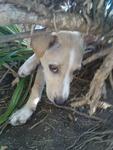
{"x": 42, "y": 42}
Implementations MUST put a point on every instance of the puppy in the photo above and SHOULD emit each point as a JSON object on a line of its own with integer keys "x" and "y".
{"x": 59, "y": 54}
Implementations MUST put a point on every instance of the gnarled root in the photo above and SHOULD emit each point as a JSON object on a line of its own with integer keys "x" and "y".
{"x": 96, "y": 87}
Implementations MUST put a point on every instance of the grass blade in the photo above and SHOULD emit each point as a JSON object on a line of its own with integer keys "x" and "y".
{"x": 14, "y": 101}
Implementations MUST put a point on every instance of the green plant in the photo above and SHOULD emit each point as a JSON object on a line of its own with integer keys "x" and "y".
{"x": 13, "y": 51}
{"x": 16, "y": 51}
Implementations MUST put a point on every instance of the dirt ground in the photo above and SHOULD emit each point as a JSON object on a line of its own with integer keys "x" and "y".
{"x": 52, "y": 128}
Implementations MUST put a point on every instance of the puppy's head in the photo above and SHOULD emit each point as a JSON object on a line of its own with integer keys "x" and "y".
{"x": 60, "y": 55}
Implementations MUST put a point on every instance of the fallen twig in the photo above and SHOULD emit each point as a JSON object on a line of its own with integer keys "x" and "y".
{"x": 78, "y": 102}
{"x": 4, "y": 75}
{"x": 36, "y": 124}
{"x": 89, "y": 131}
{"x": 8, "y": 67}
{"x": 91, "y": 135}
{"x": 79, "y": 113}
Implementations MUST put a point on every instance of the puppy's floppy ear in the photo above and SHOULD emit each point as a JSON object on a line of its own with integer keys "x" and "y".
{"x": 42, "y": 42}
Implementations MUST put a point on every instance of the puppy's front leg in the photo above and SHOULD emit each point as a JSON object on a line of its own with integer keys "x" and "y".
{"x": 28, "y": 66}
{"x": 23, "y": 114}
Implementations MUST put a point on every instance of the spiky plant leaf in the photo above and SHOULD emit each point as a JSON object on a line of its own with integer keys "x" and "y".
{"x": 16, "y": 51}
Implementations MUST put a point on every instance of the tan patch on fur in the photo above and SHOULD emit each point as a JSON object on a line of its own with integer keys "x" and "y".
{"x": 41, "y": 43}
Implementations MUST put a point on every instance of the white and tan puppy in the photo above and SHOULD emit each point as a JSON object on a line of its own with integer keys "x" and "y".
{"x": 60, "y": 54}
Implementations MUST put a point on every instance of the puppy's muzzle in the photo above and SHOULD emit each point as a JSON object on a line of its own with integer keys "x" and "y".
{"x": 59, "y": 100}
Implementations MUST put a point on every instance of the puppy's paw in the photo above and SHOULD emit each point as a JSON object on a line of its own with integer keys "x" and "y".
{"x": 24, "y": 70}
{"x": 20, "y": 116}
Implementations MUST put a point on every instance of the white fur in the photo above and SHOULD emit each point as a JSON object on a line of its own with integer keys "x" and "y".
{"x": 71, "y": 59}
{"x": 36, "y": 101}
{"x": 29, "y": 65}
{"x": 66, "y": 88}
{"x": 66, "y": 82}
{"x": 21, "y": 116}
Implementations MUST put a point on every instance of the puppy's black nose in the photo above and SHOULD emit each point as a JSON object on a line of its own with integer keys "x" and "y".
{"x": 59, "y": 101}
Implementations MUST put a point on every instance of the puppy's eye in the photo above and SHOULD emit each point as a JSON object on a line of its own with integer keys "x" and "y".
{"x": 54, "y": 68}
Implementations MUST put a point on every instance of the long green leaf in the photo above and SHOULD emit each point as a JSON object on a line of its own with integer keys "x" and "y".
{"x": 14, "y": 101}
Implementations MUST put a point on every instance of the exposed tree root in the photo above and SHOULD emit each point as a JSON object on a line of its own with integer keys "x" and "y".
{"x": 97, "y": 55}
{"x": 96, "y": 87}
{"x": 81, "y": 102}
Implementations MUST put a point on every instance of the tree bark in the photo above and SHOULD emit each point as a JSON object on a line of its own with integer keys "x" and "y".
{"x": 20, "y": 16}
{"x": 11, "y": 14}
{"x": 37, "y": 12}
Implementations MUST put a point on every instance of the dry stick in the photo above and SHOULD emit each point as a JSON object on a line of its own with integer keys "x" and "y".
{"x": 95, "y": 134}
{"x": 9, "y": 68}
{"x": 78, "y": 102}
{"x": 79, "y": 113}
{"x": 36, "y": 124}
{"x": 89, "y": 131}
{"x": 4, "y": 75}
{"x": 96, "y": 56}
{"x": 111, "y": 80}
{"x": 17, "y": 36}
{"x": 82, "y": 145}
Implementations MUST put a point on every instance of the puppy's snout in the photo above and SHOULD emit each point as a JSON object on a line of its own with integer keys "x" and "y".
{"x": 59, "y": 101}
